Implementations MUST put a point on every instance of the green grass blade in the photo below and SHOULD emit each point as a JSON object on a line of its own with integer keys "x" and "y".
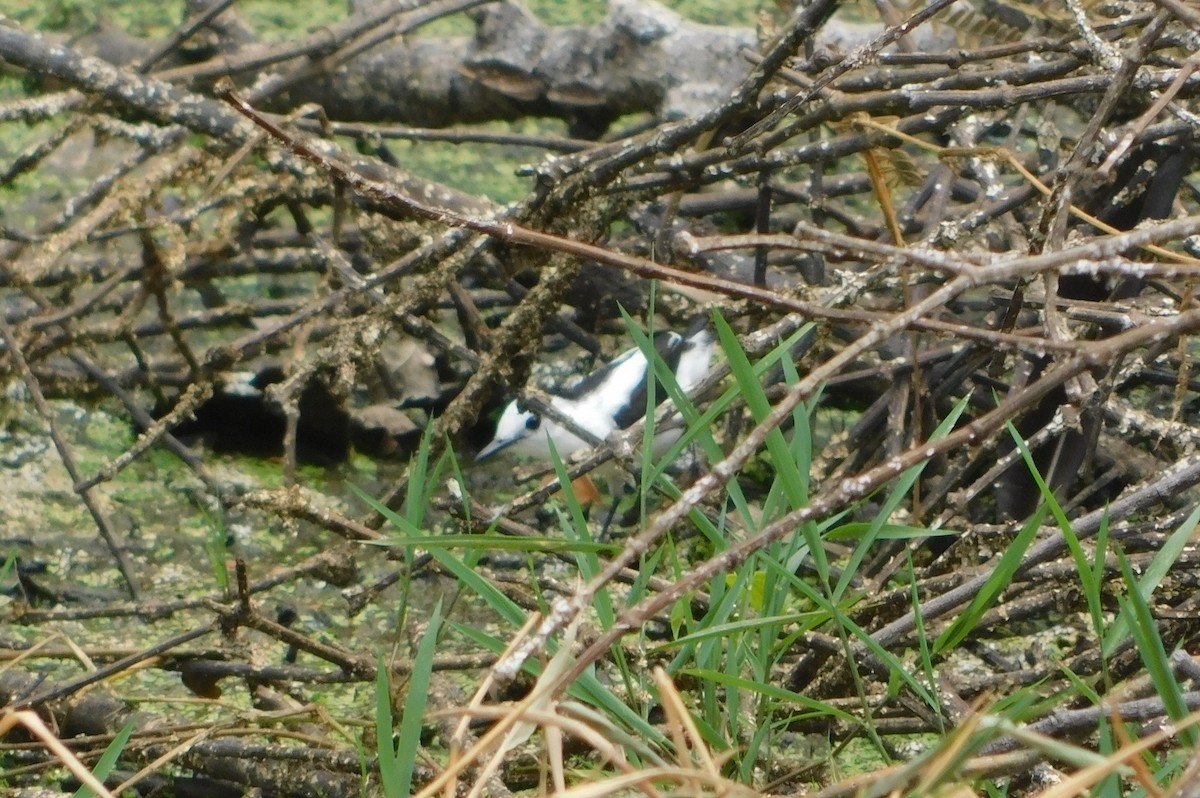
{"x": 108, "y": 760}
{"x": 857, "y": 530}
{"x": 491, "y": 541}
{"x": 924, "y": 652}
{"x": 899, "y": 492}
{"x": 660, "y": 370}
{"x": 698, "y": 426}
{"x": 456, "y": 470}
{"x": 409, "y": 737}
{"x": 389, "y": 765}
{"x": 1152, "y": 577}
{"x": 1004, "y": 571}
{"x": 567, "y": 490}
{"x": 835, "y": 615}
{"x": 467, "y": 575}
{"x": 786, "y": 468}
{"x": 773, "y": 692}
{"x": 745, "y": 625}
{"x": 586, "y": 687}
{"x": 421, "y": 479}
{"x": 216, "y": 547}
{"x": 575, "y": 527}
{"x": 1154, "y": 654}
{"x": 1089, "y": 581}
{"x": 1001, "y": 576}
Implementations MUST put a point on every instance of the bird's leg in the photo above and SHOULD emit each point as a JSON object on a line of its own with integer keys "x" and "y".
{"x": 619, "y": 486}
{"x": 608, "y": 519}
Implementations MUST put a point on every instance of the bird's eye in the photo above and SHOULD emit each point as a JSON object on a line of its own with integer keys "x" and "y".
{"x": 533, "y": 422}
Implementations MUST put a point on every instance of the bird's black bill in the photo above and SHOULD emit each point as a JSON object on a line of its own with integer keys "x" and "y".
{"x": 493, "y": 448}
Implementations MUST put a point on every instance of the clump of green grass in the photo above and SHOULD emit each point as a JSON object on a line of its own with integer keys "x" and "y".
{"x": 719, "y": 711}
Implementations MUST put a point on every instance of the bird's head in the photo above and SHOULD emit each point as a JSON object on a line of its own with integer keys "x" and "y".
{"x": 516, "y": 424}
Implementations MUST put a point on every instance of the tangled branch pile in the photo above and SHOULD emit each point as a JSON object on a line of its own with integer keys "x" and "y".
{"x": 985, "y": 213}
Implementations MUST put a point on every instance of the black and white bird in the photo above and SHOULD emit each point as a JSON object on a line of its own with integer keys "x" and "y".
{"x": 611, "y": 398}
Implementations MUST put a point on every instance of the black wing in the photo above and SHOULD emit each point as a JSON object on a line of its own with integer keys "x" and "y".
{"x": 670, "y": 347}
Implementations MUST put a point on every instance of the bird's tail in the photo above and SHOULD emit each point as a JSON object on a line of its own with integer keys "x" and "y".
{"x": 699, "y": 327}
